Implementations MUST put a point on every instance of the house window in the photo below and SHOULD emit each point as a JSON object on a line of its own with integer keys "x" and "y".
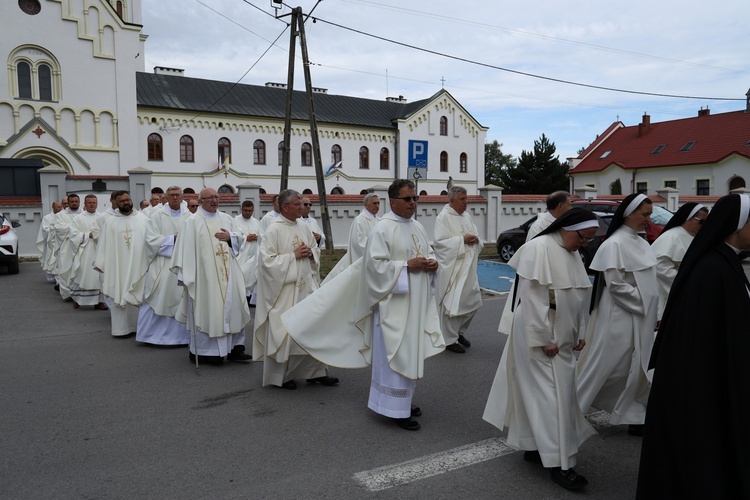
{"x": 687, "y": 147}
{"x": 259, "y": 152}
{"x": 702, "y": 187}
{"x": 670, "y": 184}
{"x": 658, "y": 149}
{"x": 119, "y": 9}
{"x": 335, "y": 154}
{"x": 225, "y": 189}
{"x": 364, "y": 157}
{"x": 384, "y": 160}
{"x": 443, "y": 161}
{"x": 45, "y": 82}
{"x": 641, "y": 187}
{"x": 155, "y": 150}
{"x": 463, "y": 163}
{"x": 186, "y": 149}
{"x": 24, "y": 80}
{"x": 281, "y": 153}
{"x": 225, "y": 150}
{"x": 443, "y": 125}
{"x": 306, "y": 155}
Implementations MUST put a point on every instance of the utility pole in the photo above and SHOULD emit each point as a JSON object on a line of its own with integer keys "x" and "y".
{"x": 298, "y": 27}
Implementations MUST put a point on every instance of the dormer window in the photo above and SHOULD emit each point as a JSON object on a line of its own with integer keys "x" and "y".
{"x": 687, "y": 146}
{"x": 658, "y": 149}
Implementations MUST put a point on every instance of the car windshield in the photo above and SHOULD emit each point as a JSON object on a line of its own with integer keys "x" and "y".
{"x": 660, "y": 216}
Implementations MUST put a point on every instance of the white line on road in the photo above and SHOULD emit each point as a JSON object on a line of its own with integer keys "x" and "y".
{"x": 389, "y": 476}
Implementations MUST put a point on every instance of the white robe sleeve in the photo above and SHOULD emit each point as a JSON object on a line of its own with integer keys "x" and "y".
{"x": 624, "y": 294}
{"x": 536, "y": 318}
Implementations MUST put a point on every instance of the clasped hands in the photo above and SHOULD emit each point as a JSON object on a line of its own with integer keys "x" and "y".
{"x": 418, "y": 264}
{"x": 303, "y": 251}
{"x": 471, "y": 239}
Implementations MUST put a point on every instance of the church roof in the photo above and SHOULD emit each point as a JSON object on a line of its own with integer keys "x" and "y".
{"x": 704, "y": 139}
{"x": 198, "y": 95}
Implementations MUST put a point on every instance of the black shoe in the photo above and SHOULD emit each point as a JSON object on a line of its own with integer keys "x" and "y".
{"x": 415, "y": 411}
{"x": 464, "y": 341}
{"x": 455, "y": 348}
{"x": 568, "y": 479}
{"x": 532, "y": 456}
{"x": 327, "y": 381}
{"x": 408, "y": 424}
{"x": 239, "y": 357}
{"x": 635, "y": 430}
{"x": 206, "y": 360}
{"x": 289, "y": 384}
{"x": 57, "y": 288}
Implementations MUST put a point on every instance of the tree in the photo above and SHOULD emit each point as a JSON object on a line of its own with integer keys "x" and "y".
{"x": 495, "y": 161}
{"x": 537, "y": 172}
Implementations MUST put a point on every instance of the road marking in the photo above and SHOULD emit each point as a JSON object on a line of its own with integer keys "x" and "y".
{"x": 389, "y": 476}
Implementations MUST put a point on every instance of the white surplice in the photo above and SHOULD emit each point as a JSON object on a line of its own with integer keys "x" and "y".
{"x": 533, "y": 395}
{"x": 669, "y": 249}
{"x": 358, "y": 233}
{"x": 315, "y": 228}
{"x": 85, "y": 286}
{"x": 121, "y": 258}
{"x": 248, "y": 256}
{"x": 213, "y": 304}
{"x": 162, "y": 294}
{"x": 283, "y": 281}
{"x": 63, "y": 254}
{"x": 613, "y": 369}
{"x": 458, "y": 294}
{"x": 45, "y": 246}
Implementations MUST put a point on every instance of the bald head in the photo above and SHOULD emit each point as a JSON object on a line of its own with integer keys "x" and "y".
{"x": 209, "y": 200}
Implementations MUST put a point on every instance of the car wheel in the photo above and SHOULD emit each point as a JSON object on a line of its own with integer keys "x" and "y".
{"x": 13, "y": 267}
{"x": 506, "y": 250}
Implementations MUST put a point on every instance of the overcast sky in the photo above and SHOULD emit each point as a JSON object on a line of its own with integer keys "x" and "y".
{"x": 684, "y": 47}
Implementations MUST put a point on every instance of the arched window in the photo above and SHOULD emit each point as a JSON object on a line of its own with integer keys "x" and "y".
{"x": 306, "y": 151}
{"x": 423, "y": 193}
{"x": 337, "y": 190}
{"x": 443, "y": 125}
{"x": 155, "y": 149}
{"x": 364, "y": 157}
{"x": 225, "y": 189}
{"x": 463, "y": 163}
{"x": 443, "y": 161}
{"x": 259, "y": 152}
{"x": 24, "y": 80}
{"x": 186, "y": 149}
{"x": 384, "y": 160}
{"x": 45, "y": 82}
{"x": 335, "y": 154}
{"x": 364, "y": 191}
{"x": 225, "y": 150}
{"x": 281, "y": 153}
{"x": 443, "y": 193}
{"x": 118, "y": 7}
{"x": 307, "y": 191}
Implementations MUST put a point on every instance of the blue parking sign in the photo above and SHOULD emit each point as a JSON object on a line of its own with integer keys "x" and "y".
{"x": 418, "y": 154}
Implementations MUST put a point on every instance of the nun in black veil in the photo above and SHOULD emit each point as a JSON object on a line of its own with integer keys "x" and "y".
{"x": 696, "y": 440}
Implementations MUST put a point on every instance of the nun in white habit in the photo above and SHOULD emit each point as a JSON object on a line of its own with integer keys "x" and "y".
{"x": 534, "y": 392}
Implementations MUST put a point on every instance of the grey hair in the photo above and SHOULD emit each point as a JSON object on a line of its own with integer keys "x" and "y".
{"x": 368, "y": 197}
{"x": 288, "y": 194}
{"x": 454, "y": 190}
{"x": 172, "y": 188}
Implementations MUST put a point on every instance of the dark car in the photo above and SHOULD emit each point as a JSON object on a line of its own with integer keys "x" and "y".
{"x": 511, "y": 239}
{"x": 659, "y": 216}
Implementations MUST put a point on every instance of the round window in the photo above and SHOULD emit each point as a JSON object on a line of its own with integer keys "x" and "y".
{"x": 31, "y": 7}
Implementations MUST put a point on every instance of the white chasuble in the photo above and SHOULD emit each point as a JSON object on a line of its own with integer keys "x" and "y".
{"x": 358, "y": 233}
{"x": 534, "y": 395}
{"x": 121, "y": 258}
{"x": 283, "y": 281}
{"x": 211, "y": 275}
{"x": 83, "y": 279}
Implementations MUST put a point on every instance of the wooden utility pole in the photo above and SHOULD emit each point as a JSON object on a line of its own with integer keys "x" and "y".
{"x": 298, "y": 27}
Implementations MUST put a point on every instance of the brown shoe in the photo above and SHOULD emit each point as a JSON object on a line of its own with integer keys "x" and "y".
{"x": 101, "y": 306}
{"x": 75, "y": 305}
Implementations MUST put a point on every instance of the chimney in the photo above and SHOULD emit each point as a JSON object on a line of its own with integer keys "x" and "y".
{"x": 747, "y": 104}
{"x": 163, "y": 70}
{"x": 644, "y": 126}
{"x": 704, "y": 112}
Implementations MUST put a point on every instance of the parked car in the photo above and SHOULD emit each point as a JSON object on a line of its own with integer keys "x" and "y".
{"x": 659, "y": 216}
{"x": 9, "y": 245}
{"x": 511, "y": 239}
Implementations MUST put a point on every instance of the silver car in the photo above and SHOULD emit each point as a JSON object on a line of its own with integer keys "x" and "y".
{"x": 9, "y": 245}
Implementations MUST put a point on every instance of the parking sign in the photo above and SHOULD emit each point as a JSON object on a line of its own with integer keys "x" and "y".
{"x": 417, "y": 164}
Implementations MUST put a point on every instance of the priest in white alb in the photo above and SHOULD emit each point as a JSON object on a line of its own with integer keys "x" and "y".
{"x": 61, "y": 249}
{"x": 85, "y": 286}
{"x": 44, "y": 242}
{"x": 121, "y": 258}
{"x": 457, "y": 248}
{"x": 247, "y": 226}
{"x": 213, "y": 304}
{"x": 270, "y": 217}
{"x": 358, "y": 233}
{"x": 289, "y": 259}
{"x": 156, "y": 316}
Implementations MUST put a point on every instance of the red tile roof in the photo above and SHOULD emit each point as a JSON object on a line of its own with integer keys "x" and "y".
{"x": 12, "y": 201}
{"x": 357, "y": 198}
{"x": 716, "y": 137}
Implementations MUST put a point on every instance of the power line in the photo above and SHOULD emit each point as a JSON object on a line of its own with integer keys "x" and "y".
{"x": 523, "y": 73}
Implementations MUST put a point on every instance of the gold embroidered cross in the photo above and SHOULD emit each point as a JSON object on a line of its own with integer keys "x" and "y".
{"x": 221, "y": 252}
{"x": 417, "y": 247}
{"x": 301, "y": 284}
{"x": 127, "y": 237}
{"x": 297, "y": 241}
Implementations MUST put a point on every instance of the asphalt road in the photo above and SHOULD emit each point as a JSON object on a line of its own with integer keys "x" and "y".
{"x": 85, "y": 415}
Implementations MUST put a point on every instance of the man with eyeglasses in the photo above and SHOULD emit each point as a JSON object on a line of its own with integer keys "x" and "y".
{"x": 312, "y": 223}
{"x": 671, "y": 245}
{"x": 156, "y": 316}
{"x": 287, "y": 268}
{"x": 213, "y": 304}
{"x": 457, "y": 247}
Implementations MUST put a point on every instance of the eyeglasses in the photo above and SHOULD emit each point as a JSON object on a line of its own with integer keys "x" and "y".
{"x": 585, "y": 240}
{"x": 407, "y": 198}
{"x": 700, "y": 221}
{"x": 307, "y": 204}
